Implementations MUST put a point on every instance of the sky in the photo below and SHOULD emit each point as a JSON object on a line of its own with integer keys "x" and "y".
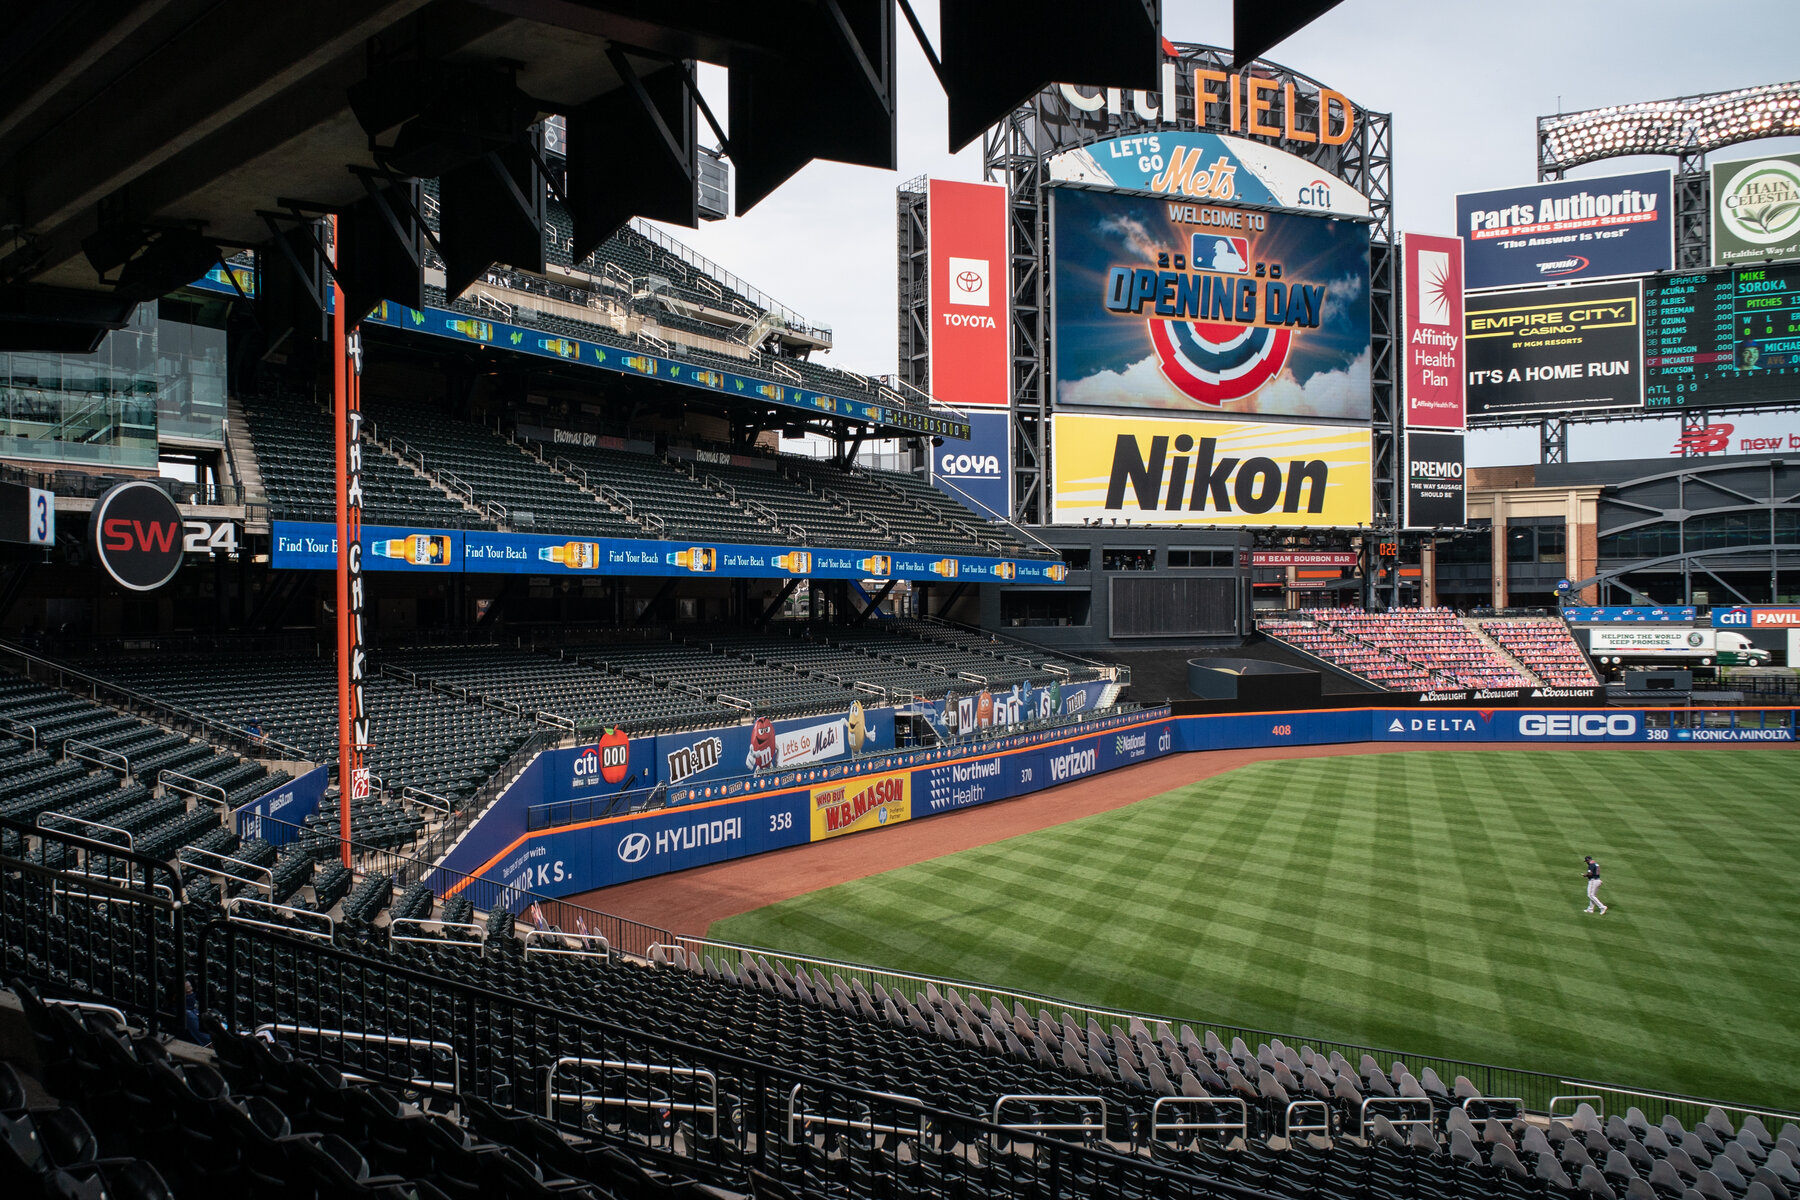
{"x": 1465, "y": 83}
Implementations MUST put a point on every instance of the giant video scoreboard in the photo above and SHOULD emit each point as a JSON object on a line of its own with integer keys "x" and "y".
{"x": 1722, "y": 339}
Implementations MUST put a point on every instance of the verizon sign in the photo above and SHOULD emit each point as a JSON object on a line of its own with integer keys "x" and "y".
{"x": 967, "y": 310}
{"x": 1434, "y": 376}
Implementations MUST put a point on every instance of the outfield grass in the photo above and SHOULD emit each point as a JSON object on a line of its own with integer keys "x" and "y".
{"x": 1430, "y": 902}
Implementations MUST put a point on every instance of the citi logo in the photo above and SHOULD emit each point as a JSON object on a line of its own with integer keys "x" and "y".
{"x": 1736, "y": 616}
{"x": 1074, "y": 763}
{"x": 1316, "y": 194}
{"x": 633, "y": 847}
{"x": 1563, "y": 266}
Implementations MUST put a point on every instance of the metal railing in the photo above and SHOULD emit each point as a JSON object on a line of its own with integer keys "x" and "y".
{"x": 99, "y": 756}
{"x": 572, "y": 920}
{"x": 179, "y": 719}
{"x": 770, "y": 1116}
{"x": 1534, "y": 1090}
{"x": 111, "y": 903}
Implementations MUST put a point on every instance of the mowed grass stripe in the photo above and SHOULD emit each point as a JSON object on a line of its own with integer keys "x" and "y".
{"x": 1426, "y": 901}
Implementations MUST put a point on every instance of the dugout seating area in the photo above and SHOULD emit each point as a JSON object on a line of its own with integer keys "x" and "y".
{"x": 1547, "y": 648}
{"x": 1433, "y": 648}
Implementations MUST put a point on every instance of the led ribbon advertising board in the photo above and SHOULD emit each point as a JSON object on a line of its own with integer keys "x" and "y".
{"x": 1171, "y": 304}
{"x": 1558, "y": 350}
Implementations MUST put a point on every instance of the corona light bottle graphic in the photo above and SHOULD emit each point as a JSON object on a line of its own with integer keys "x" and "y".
{"x": 561, "y": 347}
{"x": 878, "y": 564}
{"x": 695, "y": 558}
{"x": 771, "y": 390}
{"x": 945, "y": 567}
{"x": 420, "y": 549}
{"x": 577, "y": 556}
{"x": 1056, "y": 571}
{"x": 709, "y": 378}
{"x": 640, "y": 362}
{"x": 1006, "y": 570}
{"x": 481, "y": 331}
{"x": 796, "y": 562}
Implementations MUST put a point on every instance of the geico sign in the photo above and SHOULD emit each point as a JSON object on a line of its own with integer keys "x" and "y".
{"x": 1577, "y": 725}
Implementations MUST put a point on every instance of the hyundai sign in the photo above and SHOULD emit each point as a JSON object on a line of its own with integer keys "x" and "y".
{"x": 1563, "y": 231}
{"x": 978, "y": 473}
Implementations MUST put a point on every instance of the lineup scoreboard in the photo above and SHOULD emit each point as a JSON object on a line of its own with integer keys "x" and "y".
{"x": 1723, "y": 339}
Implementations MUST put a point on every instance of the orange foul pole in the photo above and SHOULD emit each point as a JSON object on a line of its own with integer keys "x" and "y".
{"x": 353, "y": 717}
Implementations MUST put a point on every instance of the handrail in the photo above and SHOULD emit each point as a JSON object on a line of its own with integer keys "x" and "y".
{"x": 584, "y": 950}
{"x": 124, "y": 764}
{"x": 1158, "y": 1125}
{"x": 552, "y": 1097}
{"x": 1671, "y": 1098}
{"x": 477, "y": 934}
{"x": 268, "y": 880}
{"x": 217, "y": 731}
{"x": 794, "y": 1114}
{"x": 380, "y": 1039}
{"x": 83, "y": 822}
{"x": 429, "y": 800}
{"x": 1599, "y": 1103}
{"x": 1364, "y": 1120}
{"x": 1041, "y": 1127}
{"x": 223, "y": 799}
{"x": 1289, "y": 1129}
{"x": 236, "y": 903}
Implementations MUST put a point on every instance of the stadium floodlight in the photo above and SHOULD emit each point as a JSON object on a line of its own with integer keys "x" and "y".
{"x": 1685, "y": 125}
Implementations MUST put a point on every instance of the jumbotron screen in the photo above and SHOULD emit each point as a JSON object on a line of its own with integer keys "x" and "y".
{"x": 1722, "y": 339}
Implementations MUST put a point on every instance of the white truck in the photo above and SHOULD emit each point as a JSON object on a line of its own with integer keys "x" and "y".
{"x": 1672, "y": 646}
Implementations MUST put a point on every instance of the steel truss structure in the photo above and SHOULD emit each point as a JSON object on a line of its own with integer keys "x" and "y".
{"x": 1017, "y": 152}
{"x": 1686, "y": 128}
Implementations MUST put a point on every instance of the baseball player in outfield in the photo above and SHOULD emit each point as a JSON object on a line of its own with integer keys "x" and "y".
{"x": 1593, "y": 885}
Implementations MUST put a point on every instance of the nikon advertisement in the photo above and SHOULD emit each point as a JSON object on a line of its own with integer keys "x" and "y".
{"x": 1434, "y": 479}
{"x": 1756, "y": 210}
{"x": 1561, "y": 350}
{"x": 1181, "y": 471}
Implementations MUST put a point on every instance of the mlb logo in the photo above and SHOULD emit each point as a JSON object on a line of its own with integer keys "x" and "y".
{"x": 1213, "y": 252}
{"x": 968, "y": 281}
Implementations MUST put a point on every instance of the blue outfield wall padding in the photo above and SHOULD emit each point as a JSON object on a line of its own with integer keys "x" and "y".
{"x": 288, "y": 805}
{"x": 598, "y": 852}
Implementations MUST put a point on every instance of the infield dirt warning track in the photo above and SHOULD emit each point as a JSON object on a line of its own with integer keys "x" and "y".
{"x": 688, "y": 902}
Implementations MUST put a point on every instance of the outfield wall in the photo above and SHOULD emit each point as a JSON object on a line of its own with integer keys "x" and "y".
{"x": 755, "y": 814}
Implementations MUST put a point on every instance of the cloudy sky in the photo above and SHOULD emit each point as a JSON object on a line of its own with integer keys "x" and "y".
{"x": 1465, "y": 83}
